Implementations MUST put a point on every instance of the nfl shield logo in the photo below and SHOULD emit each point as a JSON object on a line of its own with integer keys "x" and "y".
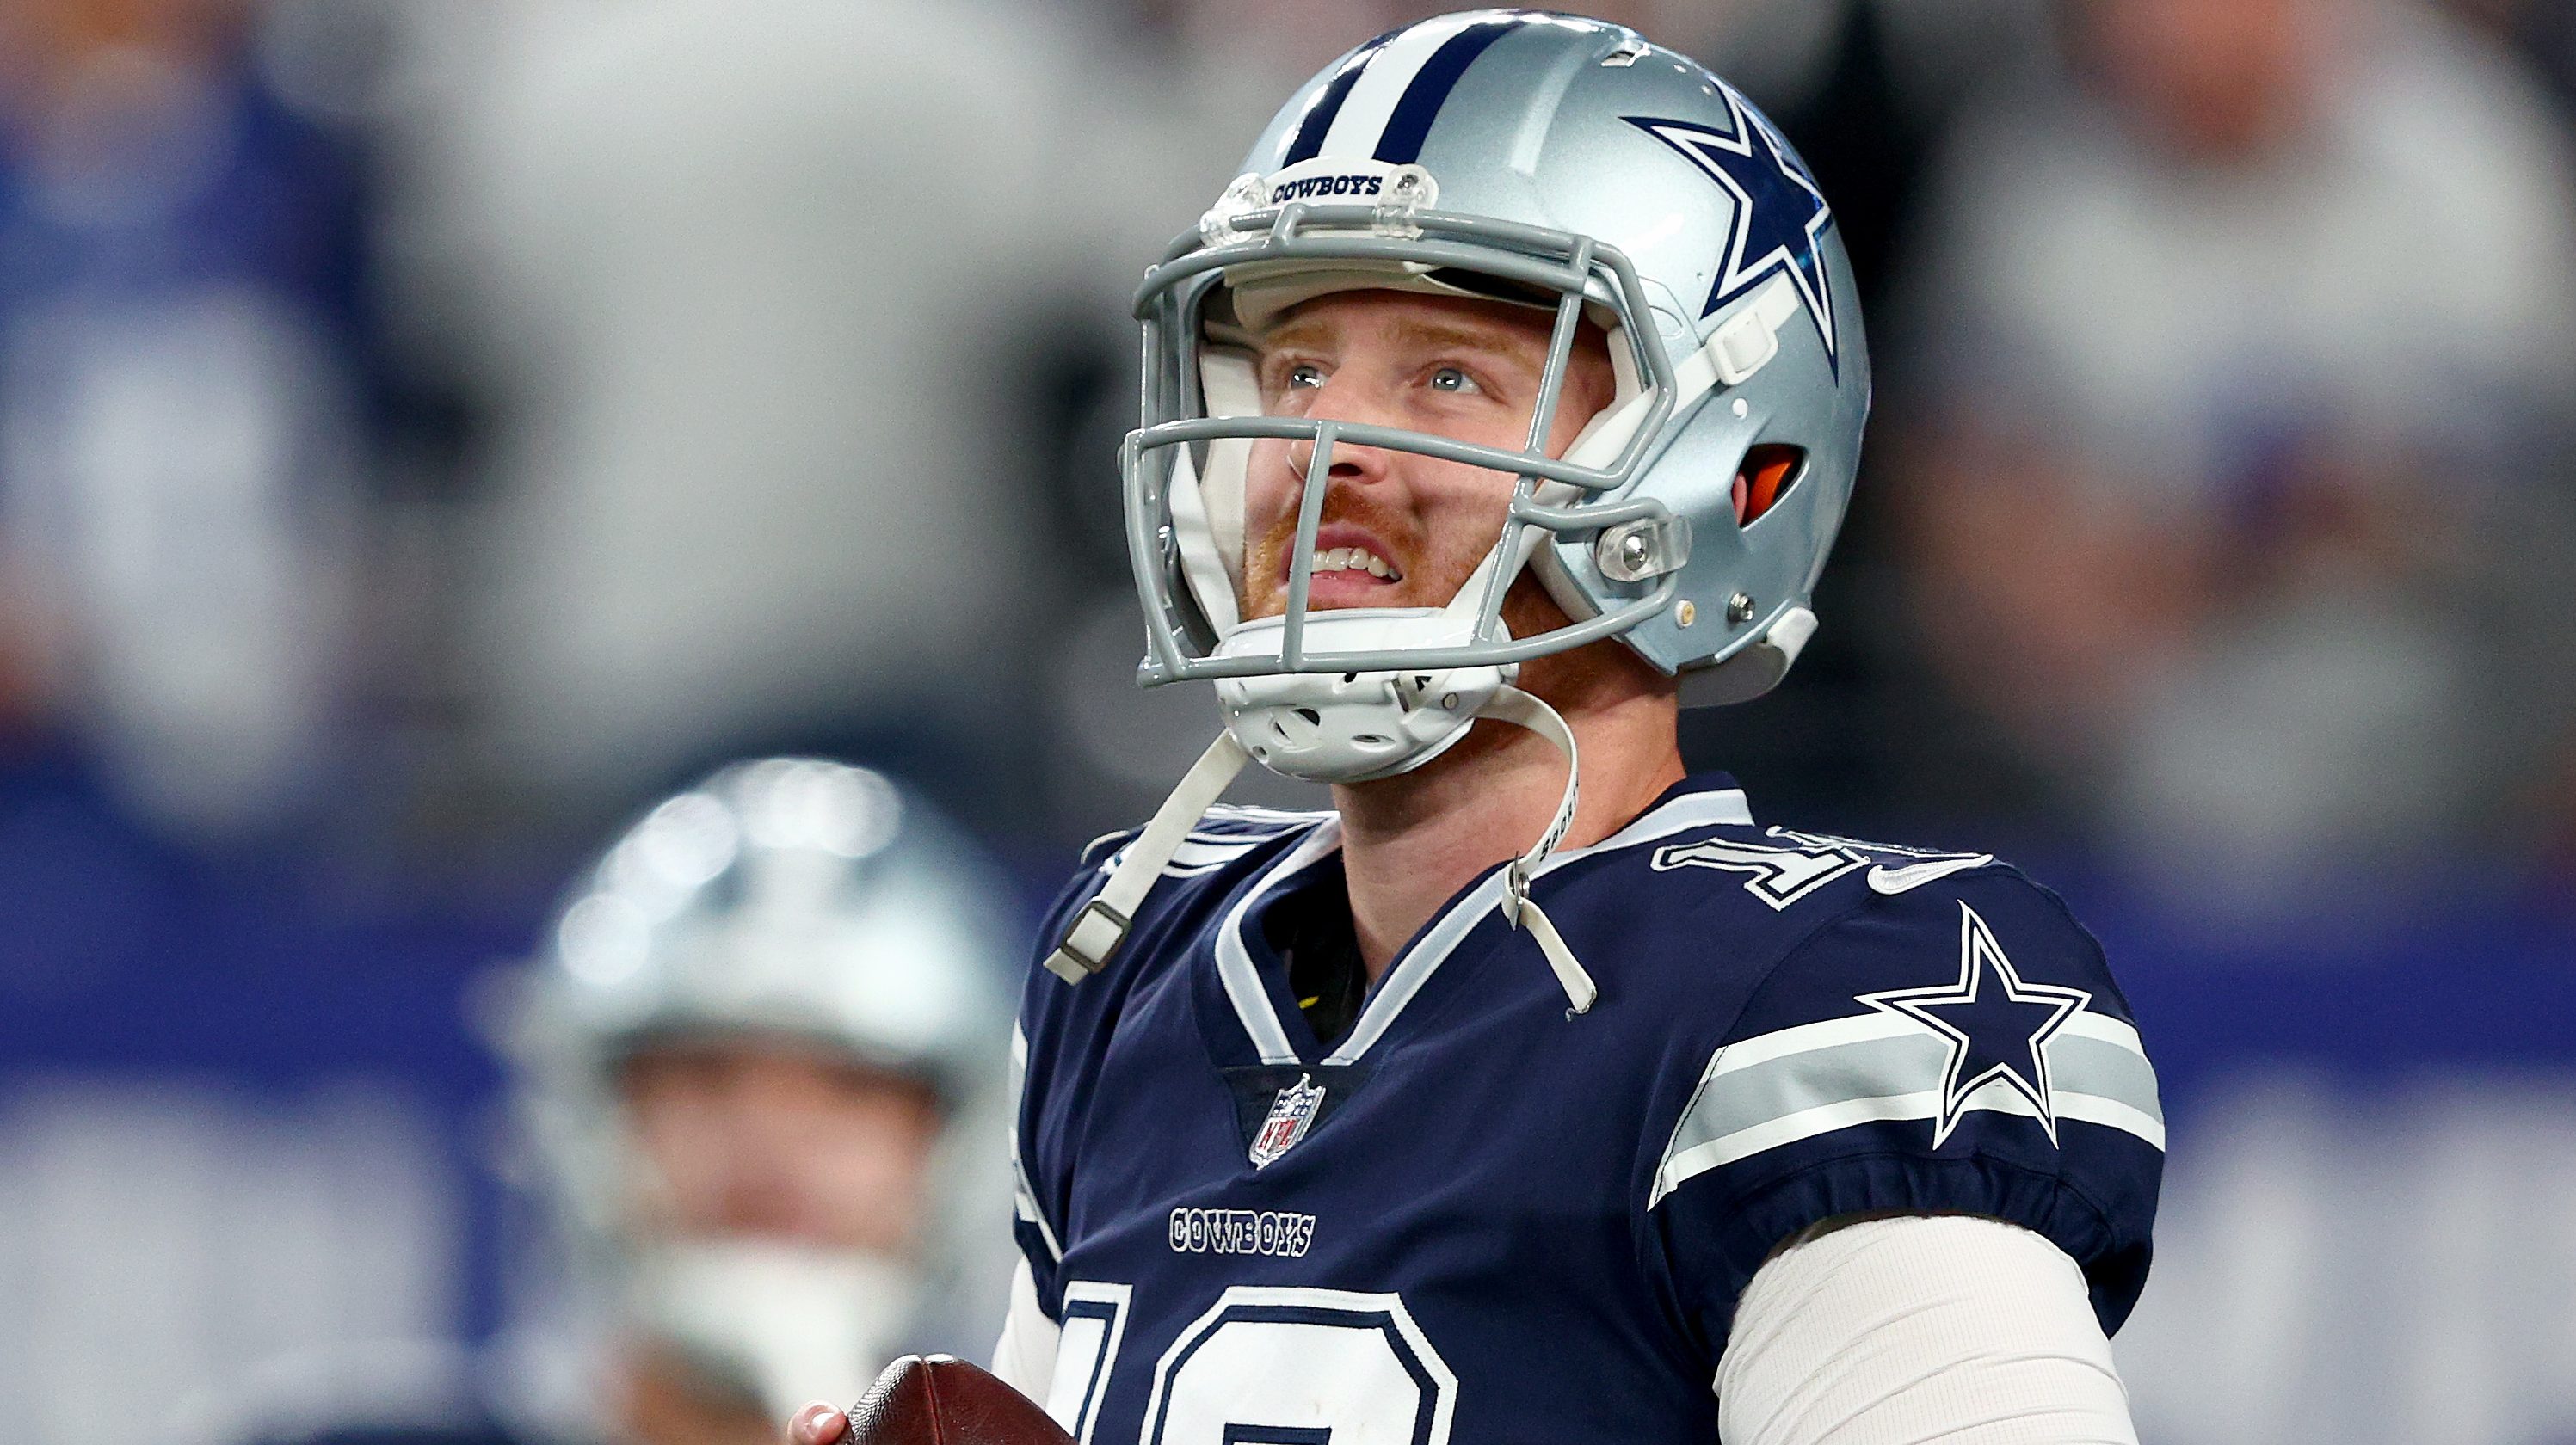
{"x": 1291, "y": 1115}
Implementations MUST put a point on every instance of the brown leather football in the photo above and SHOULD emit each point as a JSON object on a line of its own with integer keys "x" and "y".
{"x": 942, "y": 1400}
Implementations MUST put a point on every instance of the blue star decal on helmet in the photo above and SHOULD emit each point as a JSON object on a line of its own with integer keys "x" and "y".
{"x": 1779, "y": 213}
{"x": 1997, "y": 1025}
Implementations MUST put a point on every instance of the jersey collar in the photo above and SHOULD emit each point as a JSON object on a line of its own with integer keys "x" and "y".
{"x": 1697, "y": 802}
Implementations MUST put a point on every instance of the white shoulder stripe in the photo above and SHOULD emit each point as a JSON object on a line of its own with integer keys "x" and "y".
{"x": 1858, "y": 1028}
{"x": 2102, "y": 1028}
{"x": 1797, "y": 1083}
{"x": 1925, "y": 1105}
{"x": 1763, "y": 1048}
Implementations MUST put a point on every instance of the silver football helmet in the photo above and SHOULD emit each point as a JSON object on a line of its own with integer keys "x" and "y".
{"x": 1556, "y": 162}
{"x": 1553, "y": 160}
{"x": 791, "y": 901}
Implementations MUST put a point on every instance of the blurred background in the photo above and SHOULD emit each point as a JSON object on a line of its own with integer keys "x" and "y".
{"x": 431, "y": 432}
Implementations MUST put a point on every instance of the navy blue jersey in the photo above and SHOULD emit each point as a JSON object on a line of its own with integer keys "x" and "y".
{"x": 1477, "y": 1216}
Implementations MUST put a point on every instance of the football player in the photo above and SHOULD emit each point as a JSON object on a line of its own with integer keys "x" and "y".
{"x": 759, "y": 1072}
{"x": 1538, "y": 1091}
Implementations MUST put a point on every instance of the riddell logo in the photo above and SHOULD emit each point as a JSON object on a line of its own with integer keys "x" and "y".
{"x": 1307, "y": 188}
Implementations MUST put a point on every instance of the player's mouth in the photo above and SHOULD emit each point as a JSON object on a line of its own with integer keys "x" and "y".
{"x": 1356, "y": 559}
{"x": 1351, "y": 569}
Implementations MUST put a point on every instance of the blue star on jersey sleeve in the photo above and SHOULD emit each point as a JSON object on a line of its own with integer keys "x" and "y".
{"x": 1954, "y": 1049}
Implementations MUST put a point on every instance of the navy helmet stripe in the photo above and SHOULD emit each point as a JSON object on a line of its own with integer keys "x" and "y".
{"x": 1406, "y": 128}
{"x": 1328, "y": 104}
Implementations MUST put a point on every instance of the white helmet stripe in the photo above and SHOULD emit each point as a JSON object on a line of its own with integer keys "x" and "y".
{"x": 1381, "y": 87}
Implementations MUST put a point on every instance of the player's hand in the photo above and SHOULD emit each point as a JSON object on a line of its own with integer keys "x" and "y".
{"x": 816, "y": 1424}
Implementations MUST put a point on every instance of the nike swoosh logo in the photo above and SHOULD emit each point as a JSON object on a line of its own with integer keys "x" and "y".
{"x": 1914, "y": 875}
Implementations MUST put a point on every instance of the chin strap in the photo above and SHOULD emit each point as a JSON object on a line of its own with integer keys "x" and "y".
{"x": 1103, "y": 922}
{"x": 1519, "y": 909}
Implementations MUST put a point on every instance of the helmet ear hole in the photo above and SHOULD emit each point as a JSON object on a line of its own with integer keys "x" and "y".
{"x": 1766, "y": 474}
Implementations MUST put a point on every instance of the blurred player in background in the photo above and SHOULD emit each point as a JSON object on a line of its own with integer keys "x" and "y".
{"x": 755, "y": 1075}
{"x": 2161, "y": 487}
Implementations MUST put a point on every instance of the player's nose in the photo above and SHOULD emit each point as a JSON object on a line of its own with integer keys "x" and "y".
{"x": 1349, "y": 462}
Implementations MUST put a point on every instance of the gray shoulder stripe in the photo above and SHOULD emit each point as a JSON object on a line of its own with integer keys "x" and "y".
{"x": 1794, "y": 1084}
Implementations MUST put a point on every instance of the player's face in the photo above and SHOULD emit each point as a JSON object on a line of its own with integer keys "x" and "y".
{"x": 1401, "y": 529}
{"x": 754, "y": 1142}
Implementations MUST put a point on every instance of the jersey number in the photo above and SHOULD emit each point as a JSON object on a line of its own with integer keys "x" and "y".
{"x": 1776, "y": 875}
{"x": 1265, "y": 1366}
{"x": 1782, "y": 874}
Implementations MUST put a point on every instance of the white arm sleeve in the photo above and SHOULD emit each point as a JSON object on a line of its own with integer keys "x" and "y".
{"x": 1024, "y": 1357}
{"x": 1924, "y": 1328}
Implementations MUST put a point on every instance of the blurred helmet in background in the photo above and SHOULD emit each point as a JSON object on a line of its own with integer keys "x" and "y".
{"x": 759, "y": 1067}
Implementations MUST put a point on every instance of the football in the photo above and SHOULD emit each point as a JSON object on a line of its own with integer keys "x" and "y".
{"x": 942, "y": 1400}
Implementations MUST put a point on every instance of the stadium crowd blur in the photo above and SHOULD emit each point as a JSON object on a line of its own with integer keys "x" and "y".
{"x": 429, "y": 432}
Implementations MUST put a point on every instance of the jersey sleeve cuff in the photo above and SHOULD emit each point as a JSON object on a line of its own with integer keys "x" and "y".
{"x": 1895, "y": 1183}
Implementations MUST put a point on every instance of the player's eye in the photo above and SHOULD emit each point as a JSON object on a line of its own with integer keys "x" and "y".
{"x": 1305, "y": 375}
{"x": 1454, "y": 381}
